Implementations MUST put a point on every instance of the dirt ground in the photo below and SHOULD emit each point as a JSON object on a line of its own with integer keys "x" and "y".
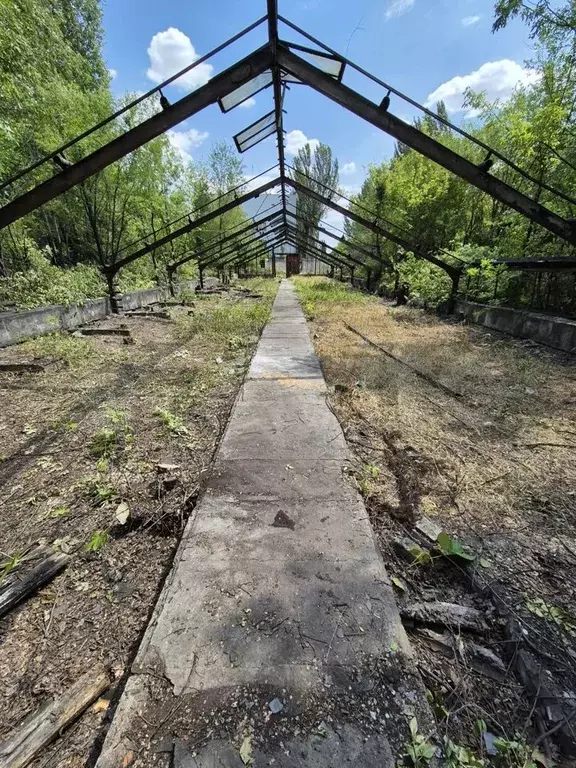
{"x": 493, "y": 466}
{"x": 102, "y": 457}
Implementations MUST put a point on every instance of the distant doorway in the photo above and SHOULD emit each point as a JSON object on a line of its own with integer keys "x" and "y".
{"x": 292, "y": 264}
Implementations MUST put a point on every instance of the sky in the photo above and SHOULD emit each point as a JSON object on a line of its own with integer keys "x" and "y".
{"x": 428, "y": 49}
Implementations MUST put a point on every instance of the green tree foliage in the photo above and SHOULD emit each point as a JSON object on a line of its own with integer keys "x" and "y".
{"x": 318, "y": 171}
{"x": 438, "y": 212}
{"x": 54, "y": 86}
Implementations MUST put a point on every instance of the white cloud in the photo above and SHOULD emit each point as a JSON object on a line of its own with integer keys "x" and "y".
{"x": 251, "y": 102}
{"x": 295, "y": 140}
{"x": 113, "y": 73}
{"x": 348, "y": 169}
{"x": 468, "y": 21}
{"x": 398, "y": 8}
{"x": 169, "y": 52}
{"x": 497, "y": 79}
{"x": 185, "y": 141}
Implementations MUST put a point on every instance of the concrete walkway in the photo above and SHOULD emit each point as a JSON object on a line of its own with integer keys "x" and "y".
{"x": 277, "y": 594}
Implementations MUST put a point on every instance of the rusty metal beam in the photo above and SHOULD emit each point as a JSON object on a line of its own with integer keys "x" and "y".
{"x": 220, "y": 85}
{"x": 222, "y": 240}
{"x": 299, "y": 242}
{"x": 113, "y": 268}
{"x": 425, "y": 145}
{"x": 451, "y": 270}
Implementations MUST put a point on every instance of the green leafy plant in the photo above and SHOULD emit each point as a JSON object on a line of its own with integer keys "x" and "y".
{"x": 420, "y": 556}
{"x": 58, "y": 512}
{"x": 552, "y": 613}
{"x": 460, "y": 757}
{"x": 452, "y": 548}
{"x": 99, "y": 491}
{"x": 103, "y": 442}
{"x": 517, "y": 754}
{"x": 109, "y": 440}
{"x": 418, "y": 749}
{"x": 10, "y": 564}
{"x": 172, "y": 422}
{"x": 98, "y": 540}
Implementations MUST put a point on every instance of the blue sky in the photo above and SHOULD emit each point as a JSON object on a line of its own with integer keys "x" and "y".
{"x": 425, "y": 48}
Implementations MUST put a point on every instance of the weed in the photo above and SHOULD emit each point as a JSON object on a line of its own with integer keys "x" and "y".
{"x": 552, "y": 613}
{"x": 11, "y": 563}
{"x": 102, "y": 466}
{"x": 312, "y": 291}
{"x": 452, "y": 548}
{"x": 421, "y": 556}
{"x": 418, "y": 749}
{"x": 103, "y": 442}
{"x": 172, "y": 422}
{"x": 517, "y": 754}
{"x": 98, "y": 540}
{"x": 56, "y": 512}
{"x": 65, "y": 424}
{"x": 98, "y": 491}
{"x": 110, "y": 440}
{"x": 77, "y": 353}
{"x": 460, "y": 757}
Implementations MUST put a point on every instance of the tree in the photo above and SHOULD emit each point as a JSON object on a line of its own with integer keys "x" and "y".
{"x": 318, "y": 171}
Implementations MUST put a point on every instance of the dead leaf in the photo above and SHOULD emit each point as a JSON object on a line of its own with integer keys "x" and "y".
{"x": 246, "y": 751}
{"x": 129, "y": 758}
{"x": 122, "y": 513}
{"x": 101, "y": 705}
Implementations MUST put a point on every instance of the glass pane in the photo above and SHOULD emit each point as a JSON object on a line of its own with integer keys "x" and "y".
{"x": 259, "y": 125}
{"x": 257, "y": 138}
{"x": 330, "y": 66}
{"x": 257, "y": 83}
{"x": 323, "y": 61}
{"x": 287, "y": 78}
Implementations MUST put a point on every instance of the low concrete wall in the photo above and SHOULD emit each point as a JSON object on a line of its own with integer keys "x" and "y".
{"x": 557, "y": 332}
{"x": 19, "y": 326}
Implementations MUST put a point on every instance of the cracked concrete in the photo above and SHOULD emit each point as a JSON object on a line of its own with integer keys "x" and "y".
{"x": 278, "y": 584}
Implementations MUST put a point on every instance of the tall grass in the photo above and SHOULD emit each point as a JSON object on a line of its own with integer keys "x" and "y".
{"x": 313, "y": 290}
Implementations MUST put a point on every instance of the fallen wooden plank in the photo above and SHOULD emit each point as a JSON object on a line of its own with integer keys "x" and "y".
{"x": 22, "y": 367}
{"x": 444, "y": 614}
{"x": 151, "y": 315}
{"x": 105, "y": 331}
{"x": 19, "y": 589}
{"x": 43, "y": 727}
{"x": 415, "y": 370}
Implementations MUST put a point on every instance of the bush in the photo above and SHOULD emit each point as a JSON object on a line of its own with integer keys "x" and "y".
{"x": 44, "y": 284}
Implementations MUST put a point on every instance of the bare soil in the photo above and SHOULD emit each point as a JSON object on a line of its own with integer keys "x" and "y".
{"x": 495, "y": 469}
{"x": 81, "y": 445}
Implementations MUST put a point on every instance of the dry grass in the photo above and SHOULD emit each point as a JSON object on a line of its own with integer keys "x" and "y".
{"x": 78, "y": 440}
{"x": 495, "y": 468}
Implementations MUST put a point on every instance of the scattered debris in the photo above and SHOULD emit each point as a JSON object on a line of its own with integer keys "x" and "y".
{"x": 122, "y": 513}
{"x": 275, "y": 706}
{"x": 481, "y": 659}
{"x": 428, "y": 528}
{"x": 246, "y": 751}
{"x": 445, "y": 614}
{"x": 409, "y": 550}
{"x": 47, "y": 724}
{"x": 19, "y": 589}
{"x": 164, "y": 467}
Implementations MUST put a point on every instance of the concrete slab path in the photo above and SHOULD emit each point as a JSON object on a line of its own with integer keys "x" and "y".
{"x": 276, "y": 640}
